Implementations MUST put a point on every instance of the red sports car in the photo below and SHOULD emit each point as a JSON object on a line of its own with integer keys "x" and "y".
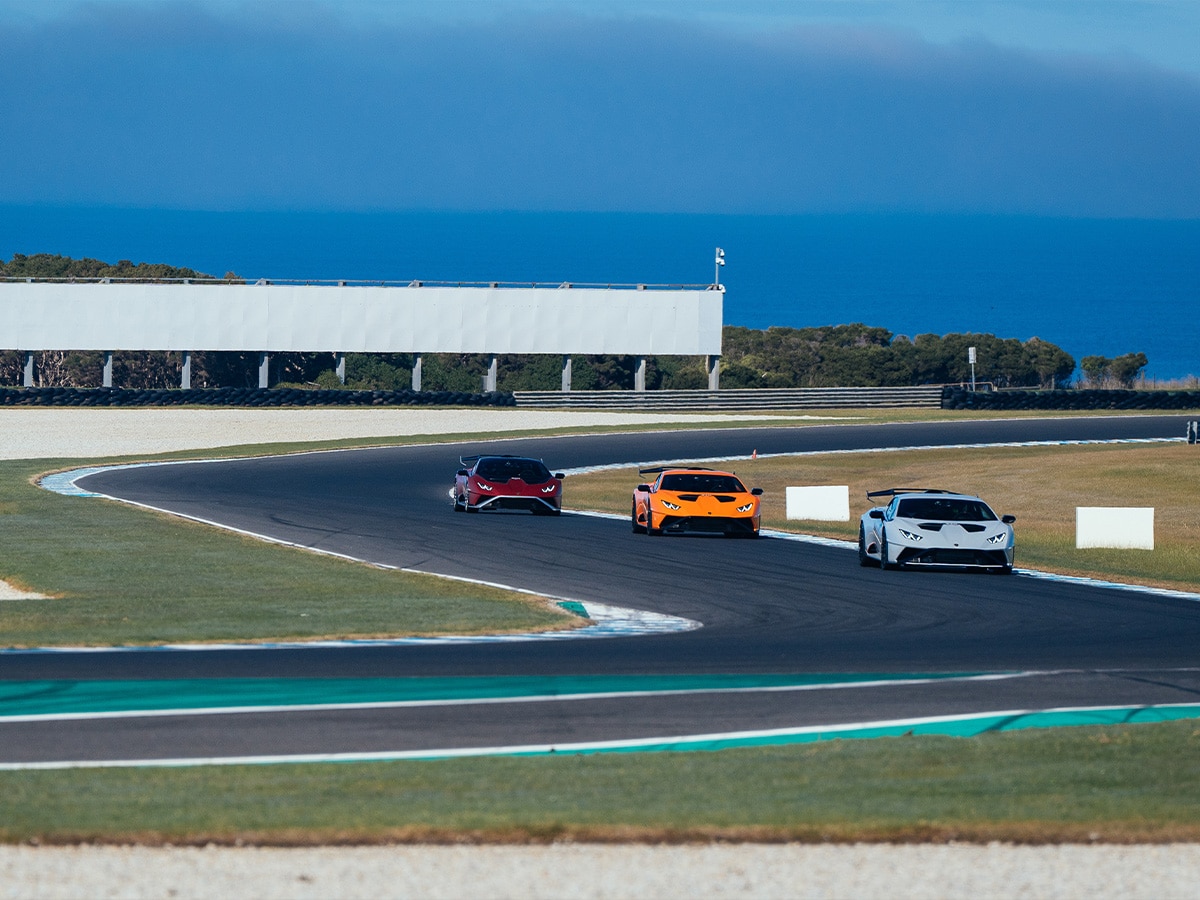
{"x": 506, "y": 482}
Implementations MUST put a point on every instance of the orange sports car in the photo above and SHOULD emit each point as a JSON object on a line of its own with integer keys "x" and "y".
{"x": 689, "y": 499}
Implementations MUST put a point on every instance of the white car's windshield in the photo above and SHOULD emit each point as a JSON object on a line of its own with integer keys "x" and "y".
{"x": 945, "y": 509}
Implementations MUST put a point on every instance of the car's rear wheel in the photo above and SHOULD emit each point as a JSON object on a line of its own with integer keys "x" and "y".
{"x": 633, "y": 522}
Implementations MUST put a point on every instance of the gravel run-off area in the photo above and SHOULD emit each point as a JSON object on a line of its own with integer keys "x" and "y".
{"x": 555, "y": 871}
{"x": 606, "y": 871}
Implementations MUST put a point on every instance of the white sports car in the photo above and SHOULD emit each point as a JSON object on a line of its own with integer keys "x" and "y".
{"x": 928, "y": 527}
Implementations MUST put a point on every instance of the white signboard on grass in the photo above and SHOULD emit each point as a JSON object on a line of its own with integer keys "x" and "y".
{"x": 1114, "y": 526}
{"x": 825, "y": 503}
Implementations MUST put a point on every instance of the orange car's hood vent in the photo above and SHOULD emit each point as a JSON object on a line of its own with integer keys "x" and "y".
{"x": 692, "y": 498}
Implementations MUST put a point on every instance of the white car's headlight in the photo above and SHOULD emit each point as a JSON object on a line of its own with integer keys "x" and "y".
{"x": 669, "y": 505}
{"x": 909, "y": 535}
{"x": 746, "y": 508}
{"x": 998, "y": 538}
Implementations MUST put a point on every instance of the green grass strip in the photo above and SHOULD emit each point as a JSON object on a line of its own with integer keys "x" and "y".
{"x": 78, "y": 698}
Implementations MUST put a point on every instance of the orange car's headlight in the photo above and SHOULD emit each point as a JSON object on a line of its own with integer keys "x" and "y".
{"x": 669, "y": 505}
{"x": 746, "y": 508}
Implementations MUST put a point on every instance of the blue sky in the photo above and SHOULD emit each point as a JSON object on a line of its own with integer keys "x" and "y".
{"x": 1057, "y": 107}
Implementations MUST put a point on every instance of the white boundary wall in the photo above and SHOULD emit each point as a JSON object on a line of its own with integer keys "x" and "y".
{"x": 1114, "y": 526}
{"x": 358, "y": 319}
{"x": 824, "y": 503}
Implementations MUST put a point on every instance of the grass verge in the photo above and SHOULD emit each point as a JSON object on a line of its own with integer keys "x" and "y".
{"x": 1041, "y": 486}
{"x": 1119, "y": 784}
{"x": 119, "y": 575}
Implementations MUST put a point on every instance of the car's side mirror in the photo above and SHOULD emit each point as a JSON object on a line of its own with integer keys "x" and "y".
{"x": 876, "y": 514}
{"x": 1008, "y": 520}
{"x": 462, "y": 472}
{"x": 560, "y": 476}
{"x": 644, "y": 487}
{"x": 757, "y": 492}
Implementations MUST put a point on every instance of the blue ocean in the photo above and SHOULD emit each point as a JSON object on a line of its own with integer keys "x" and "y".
{"x": 1103, "y": 287}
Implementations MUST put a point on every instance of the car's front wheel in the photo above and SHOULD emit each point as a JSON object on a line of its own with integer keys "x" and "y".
{"x": 633, "y": 522}
{"x": 885, "y": 560}
{"x": 650, "y": 529}
{"x": 863, "y": 559}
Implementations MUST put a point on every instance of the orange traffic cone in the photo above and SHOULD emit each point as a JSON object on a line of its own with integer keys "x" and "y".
{"x": 754, "y": 455}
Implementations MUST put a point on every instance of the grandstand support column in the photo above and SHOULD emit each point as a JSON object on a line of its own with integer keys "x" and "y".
{"x": 106, "y": 378}
{"x": 639, "y": 374}
{"x": 339, "y": 366}
{"x": 566, "y": 372}
{"x": 713, "y": 364}
{"x": 489, "y": 380}
{"x": 264, "y": 370}
{"x": 28, "y": 379}
{"x": 416, "y": 379}
{"x": 185, "y": 371}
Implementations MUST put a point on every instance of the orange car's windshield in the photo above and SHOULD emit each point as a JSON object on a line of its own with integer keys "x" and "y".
{"x": 701, "y": 483}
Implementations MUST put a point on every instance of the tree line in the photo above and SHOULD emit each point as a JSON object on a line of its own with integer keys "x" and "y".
{"x": 826, "y": 356}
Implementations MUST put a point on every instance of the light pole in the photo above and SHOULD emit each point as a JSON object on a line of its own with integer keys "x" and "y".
{"x": 717, "y": 263}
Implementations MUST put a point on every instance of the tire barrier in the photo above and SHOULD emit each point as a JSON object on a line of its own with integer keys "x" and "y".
{"x": 960, "y": 398}
{"x": 246, "y": 397}
{"x": 925, "y": 397}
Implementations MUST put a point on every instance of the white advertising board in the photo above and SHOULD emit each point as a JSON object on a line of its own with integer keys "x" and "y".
{"x": 1114, "y": 526}
{"x": 825, "y": 503}
{"x": 359, "y": 319}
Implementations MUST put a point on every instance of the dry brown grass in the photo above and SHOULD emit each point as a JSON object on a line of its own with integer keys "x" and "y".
{"x": 1041, "y": 486}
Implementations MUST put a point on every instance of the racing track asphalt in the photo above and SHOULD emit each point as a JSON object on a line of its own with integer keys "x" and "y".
{"x": 767, "y": 606}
